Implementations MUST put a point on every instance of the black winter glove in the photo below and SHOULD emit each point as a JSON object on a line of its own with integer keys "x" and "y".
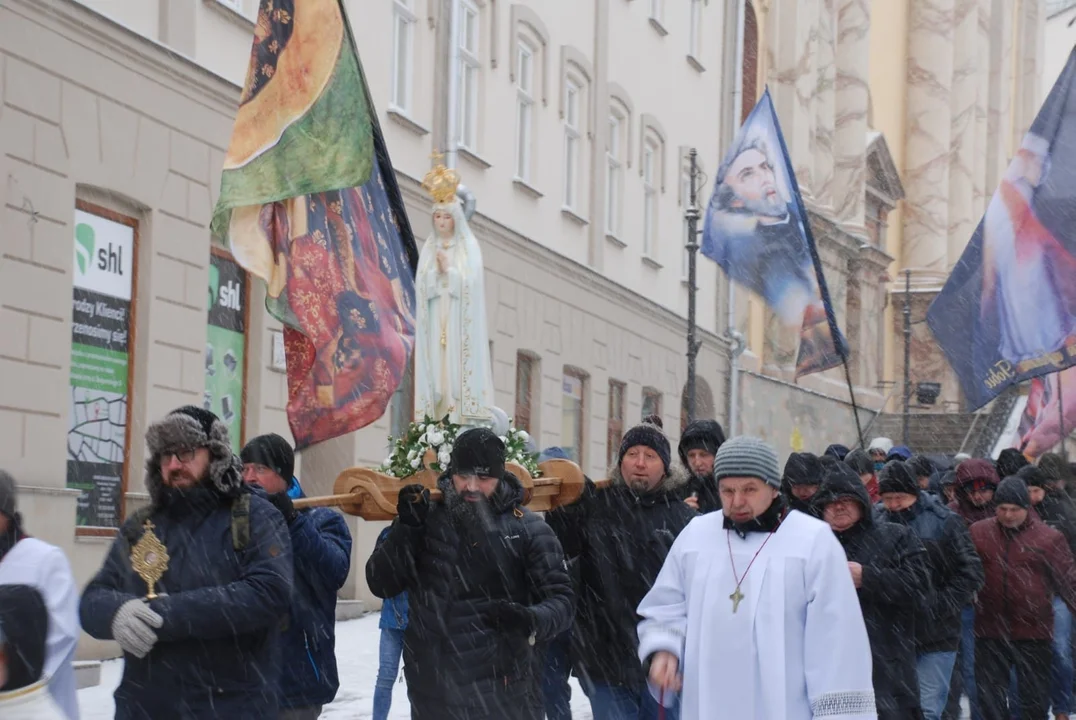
{"x": 413, "y": 505}
{"x": 508, "y": 616}
{"x": 283, "y": 503}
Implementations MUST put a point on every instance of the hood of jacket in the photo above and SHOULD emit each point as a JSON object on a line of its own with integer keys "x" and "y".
{"x": 842, "y": 482}
{"x": 24, "y": 626}
{"x": 701, "y": 433}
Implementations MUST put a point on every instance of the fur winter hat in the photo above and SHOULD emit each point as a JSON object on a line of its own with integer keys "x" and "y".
{"x": 650, "y": 436}
{"x": 193, "y": 427}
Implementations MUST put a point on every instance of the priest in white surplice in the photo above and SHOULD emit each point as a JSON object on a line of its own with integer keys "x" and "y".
{"x": 754, "y": 614}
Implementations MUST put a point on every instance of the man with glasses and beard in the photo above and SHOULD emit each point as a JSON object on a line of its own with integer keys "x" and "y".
{"x": 486, "y": 580}
{"x": 206, "y": 645}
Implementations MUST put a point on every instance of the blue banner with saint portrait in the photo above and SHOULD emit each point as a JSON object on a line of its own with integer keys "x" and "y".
{"x": 756, "y": 229}
{"x": 1007, "y": 313}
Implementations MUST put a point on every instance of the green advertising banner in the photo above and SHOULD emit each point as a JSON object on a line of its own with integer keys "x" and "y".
{"x": 100, "y": 328}
{"x": 225, "y": 361}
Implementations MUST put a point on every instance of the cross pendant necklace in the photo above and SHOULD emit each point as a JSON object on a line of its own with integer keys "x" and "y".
{"x": 737, "y": 595}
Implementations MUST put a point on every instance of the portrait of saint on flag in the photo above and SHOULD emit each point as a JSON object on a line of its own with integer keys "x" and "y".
{"x": 1007, "y": 313}
{"x": 1050, "y": 413}
{"x": 755, "y": 229}
{"x": 309, "y": 203}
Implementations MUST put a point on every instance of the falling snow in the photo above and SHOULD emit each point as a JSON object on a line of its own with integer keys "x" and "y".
{"x": 357, "y": 655}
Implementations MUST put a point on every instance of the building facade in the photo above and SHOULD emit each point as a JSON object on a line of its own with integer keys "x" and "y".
{"x": 572, "y": 123}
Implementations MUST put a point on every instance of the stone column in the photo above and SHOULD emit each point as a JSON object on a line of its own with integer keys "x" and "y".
{"x": 790, "y": 52}
{"x": 999, "y": 100}
{"x": 963, "y": 94}
{"x": 853, "y": 98}
{"x": 930, "y": 75}
{"x": 825, "y": 104}
{"x": 981, "y": 189}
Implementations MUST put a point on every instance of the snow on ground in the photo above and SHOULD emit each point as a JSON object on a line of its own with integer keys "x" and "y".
{"x": 357, "y": 656}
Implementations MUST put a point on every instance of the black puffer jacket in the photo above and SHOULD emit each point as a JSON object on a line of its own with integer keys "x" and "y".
{"x": 894, "y": 591}
{"x": 617, "y": 541}
{"x": 956, "y": 572}
{"x": 457, "y": 666}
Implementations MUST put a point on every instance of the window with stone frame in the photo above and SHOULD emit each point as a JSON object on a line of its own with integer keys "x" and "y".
{"x": 650, "y": 169}
{"x": 403, "y": 50}
{"x": 651, "y": 402}
{"x": 614, "y": 158}
{"x": 615, "y": 424}
{"x": 468, "y": 72}
{"x": 526, "y": 56}
{"x": 527, "y": 379}
{"x": 573, "y": 414}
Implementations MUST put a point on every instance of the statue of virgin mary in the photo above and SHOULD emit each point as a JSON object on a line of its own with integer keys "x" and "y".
{"x": 453, "y": 376}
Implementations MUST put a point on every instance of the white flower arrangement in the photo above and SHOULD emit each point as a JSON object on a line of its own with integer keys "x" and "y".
{"x": 410, "y": 450}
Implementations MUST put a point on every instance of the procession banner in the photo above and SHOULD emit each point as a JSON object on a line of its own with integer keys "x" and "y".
{"x": 309, "y": 203}
{"x": 100, "y": 333}
{"x": 225, "y": 350}
{"x": 1007, "y": 313}
{"x": 756, "y": 229}
{"x": 1050, "y": 410}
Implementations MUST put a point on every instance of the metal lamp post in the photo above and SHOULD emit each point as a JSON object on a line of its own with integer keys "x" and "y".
{"x": 693, "y": 345}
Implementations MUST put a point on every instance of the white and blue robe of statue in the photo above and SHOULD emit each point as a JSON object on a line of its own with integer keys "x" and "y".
{"x": 797, "y": 647}
{"x": 453, "y": 373}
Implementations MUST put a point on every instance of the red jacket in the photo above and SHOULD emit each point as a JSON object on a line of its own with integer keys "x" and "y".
{"x": 1024, "y": 569}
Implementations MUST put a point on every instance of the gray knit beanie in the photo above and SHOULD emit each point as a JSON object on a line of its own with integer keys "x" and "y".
{"x": 747, "y": 457}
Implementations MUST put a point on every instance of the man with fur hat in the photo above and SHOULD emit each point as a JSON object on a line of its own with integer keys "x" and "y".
{"x": 1027, "y": 563}
{"x": 801, "y": 479}
{"x": 956, "y": 574}
{"x": 25, "y": 560}
{"x": 754, "y": 614}
{"x": 618, "y": 539}
{"x": 24, "y": 625}
{"x": 321, "y": 549}
{"x": 888, "y": 567}
{"x": 207, "y": 645}
{"x": 698, "y": 447}
{"x": 486, "y": 581}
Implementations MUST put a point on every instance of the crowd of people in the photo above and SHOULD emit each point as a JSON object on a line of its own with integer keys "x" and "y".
{"x": 874, "y": 583}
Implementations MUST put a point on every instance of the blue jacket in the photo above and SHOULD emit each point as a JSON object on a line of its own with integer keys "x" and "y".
{"x": 321, "y": 546}
{"x": 219, "y": 646}
{"x": 393, "y": 609}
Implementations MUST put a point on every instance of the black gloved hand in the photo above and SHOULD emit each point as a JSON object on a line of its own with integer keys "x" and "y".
{"x": 413, "y": 505}
{"x": 283, "y": 503}
{"x": 508, "y": 616}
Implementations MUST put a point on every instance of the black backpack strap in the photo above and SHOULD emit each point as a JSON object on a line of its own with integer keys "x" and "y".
{"x": 241, "y": 522}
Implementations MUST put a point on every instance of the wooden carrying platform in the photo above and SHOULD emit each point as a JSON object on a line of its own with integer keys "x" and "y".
{"x": 372, "y": 495}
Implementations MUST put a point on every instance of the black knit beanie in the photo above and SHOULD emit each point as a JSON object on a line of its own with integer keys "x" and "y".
{"x": 649, "y": 436}
{"x": 897, "y": 477}
{"x": 921, "y": 466}
{"x": 1034, "y": 477}
{"x": 272, "y": 451}
{"x": 1010, "y": 461}
{"x": 1012, "y": 491}
{"x": 477, "y": 451}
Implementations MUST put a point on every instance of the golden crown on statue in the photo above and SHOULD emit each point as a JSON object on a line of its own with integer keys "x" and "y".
{"x": 441, "y": 182}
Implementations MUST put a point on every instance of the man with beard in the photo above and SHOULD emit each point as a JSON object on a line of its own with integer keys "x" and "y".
{"x": 486, "y": 580}
{"x": 801, "y": 480}
{"x": 754, "y": 614}
{"x": 618, "y": 539}
{"x": 956, "y": 574}
{"x": 699, "y": 444}
{"x": 756, "y": 235}
{"x": 207, "y": 644}
{"x": 888, "y": 567}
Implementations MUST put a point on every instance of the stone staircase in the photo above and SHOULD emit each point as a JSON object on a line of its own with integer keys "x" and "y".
{"x": 944, "y": 433}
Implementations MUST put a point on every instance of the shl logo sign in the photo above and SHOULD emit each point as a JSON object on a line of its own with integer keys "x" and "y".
{"x": 103, "y": 257}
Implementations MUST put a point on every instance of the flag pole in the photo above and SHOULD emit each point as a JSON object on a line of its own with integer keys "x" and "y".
{"x": 1061, "y": 413}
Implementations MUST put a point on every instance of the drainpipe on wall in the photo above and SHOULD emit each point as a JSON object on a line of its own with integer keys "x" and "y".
{"x": 737, "y": 339}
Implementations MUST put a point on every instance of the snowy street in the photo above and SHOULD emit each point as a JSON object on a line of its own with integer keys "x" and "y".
{"x": 357, "y": 655}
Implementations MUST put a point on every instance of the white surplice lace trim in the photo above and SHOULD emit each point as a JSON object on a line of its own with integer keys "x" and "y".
{"x": 858, "y": 702}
